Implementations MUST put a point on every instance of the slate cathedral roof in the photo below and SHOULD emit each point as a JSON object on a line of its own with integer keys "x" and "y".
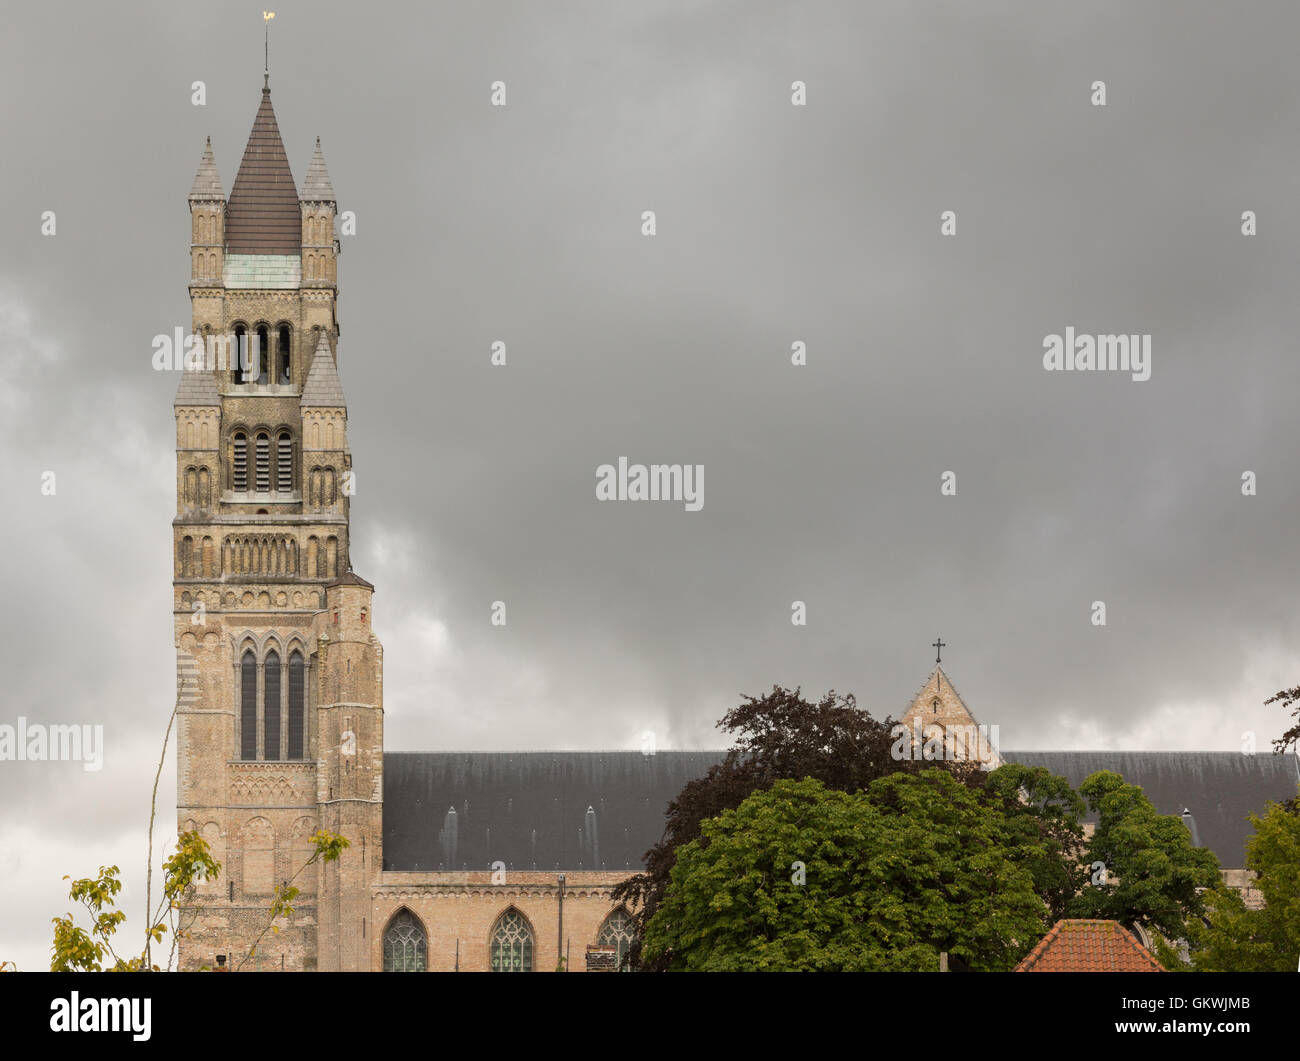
{"x": 605, "y": 810}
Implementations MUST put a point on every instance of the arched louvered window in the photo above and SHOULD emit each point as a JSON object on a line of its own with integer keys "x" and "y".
{"x": 263, "y": 457}
{"x": 619, "y": 930}
{"x": 239, "y": 464}
{"x": 284, "y": 462}
{"x": 282, "y": 358}
{"x": 404, "y": 944}
{"x": 271, "y": 706}
{"x": 263, "y": 354}
{"x": 297, "y": 704}
{"x": 243, "y": 356}
{"x": 512, "y": 944}
{"x": 248, "y": 706}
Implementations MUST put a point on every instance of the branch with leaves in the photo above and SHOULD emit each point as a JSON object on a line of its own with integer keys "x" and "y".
{"x": 326, "y": 847}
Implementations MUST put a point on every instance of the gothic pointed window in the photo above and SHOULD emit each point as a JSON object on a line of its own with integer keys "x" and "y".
{"x": 262, "y": 355}
{"x": 297, "y": 704}
{"x": 282, "y": 356}
{"x": 271, "y": 706}
{"x": 263, "y": 456}
{"x": 512, "y": 944}
{"x": 248, "y": 706}
{"x": 239, "y": 464}
{"x": 619, "y": 930}
{"x": 284, "y": 462}
{"x": 404, "y": 944}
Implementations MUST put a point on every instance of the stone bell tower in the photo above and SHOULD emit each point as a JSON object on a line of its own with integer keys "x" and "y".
{"x": 280, "y": 722}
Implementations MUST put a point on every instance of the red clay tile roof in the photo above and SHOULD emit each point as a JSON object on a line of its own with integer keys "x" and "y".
{"x": 263, "y": 215}
{"x": 1078, "y": 946}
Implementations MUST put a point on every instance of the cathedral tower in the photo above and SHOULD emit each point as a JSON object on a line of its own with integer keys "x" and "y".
{"x": 280, "y": 725}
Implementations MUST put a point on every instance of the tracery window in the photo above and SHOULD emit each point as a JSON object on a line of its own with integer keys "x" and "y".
{"x": 404, "y": 945}
{"x": 297, "y": 701}
{"x": 248, "y": 706}
{"x": 619, "y": 930}
{"x": 271, "y": 706}
{"x": 512, "y": 944}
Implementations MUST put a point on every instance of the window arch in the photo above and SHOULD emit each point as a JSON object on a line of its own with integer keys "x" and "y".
{"x": 243, "y": 362}
{"x": 284, "y": 462}
{"x": 239, "y": 463}
{"x": 619, "y": 930}
{"x": 283, "y": 368}
{"x": 271, "y": 706}
{"x": 248, "y": 706}
{"x": 297, "y": 704}
{"x": 262, "y": 353}
{"x": 405, "y": 949}
{"x": 511, "y": 949}
{"x": 262, "y": 454}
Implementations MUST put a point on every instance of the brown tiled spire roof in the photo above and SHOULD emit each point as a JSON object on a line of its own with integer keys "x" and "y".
{"x": 263, "y": 216}
{"x": 316, "y": 186}
{"x": 1086, "y": 946}
{"x": 323, "y": 387}
{"x": 349, "y": 579}
{"x": 207, "y": 182}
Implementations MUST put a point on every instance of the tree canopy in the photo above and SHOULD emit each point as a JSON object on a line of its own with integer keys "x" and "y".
{"x": 803, "y": 877}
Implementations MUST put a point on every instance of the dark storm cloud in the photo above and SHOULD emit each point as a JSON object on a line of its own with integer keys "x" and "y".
{"x": 775, "y": 224}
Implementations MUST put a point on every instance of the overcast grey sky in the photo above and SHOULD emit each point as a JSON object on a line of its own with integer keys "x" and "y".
{"x": 775, "y": 224}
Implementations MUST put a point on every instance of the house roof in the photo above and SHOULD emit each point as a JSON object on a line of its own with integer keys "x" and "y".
{"x": 1085, "y": 946}
{"x": 263, "y": 215}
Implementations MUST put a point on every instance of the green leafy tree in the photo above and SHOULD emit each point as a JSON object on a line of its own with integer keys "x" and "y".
{"x": 1153, "y": 874}
{"x": 803, "y": 877}
{"x": 1044, "y": 822}
{"x": 780, "y": 735}
{"x": 77, "y": 949}
{"x": 1234, "y": 938}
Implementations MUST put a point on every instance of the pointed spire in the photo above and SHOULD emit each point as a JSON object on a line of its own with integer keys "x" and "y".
{"x": 207, "y": 182}
{"x": 316, "y": 187}
{"x": 263, "y": 216}
{"x": 323, "y": 386}
{"x": 197, "y": 387}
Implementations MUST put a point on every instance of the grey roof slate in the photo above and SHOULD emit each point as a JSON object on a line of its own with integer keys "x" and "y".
{"x": 465, "y": 810}
{"x": 531, "y": 809}
{"x": 197, "y": 387}
{"x": 323, "y": 386}
{"x": 207, "y": 181}
{"x": 1219, "y": 788}
{"x": 316, "y": 187}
